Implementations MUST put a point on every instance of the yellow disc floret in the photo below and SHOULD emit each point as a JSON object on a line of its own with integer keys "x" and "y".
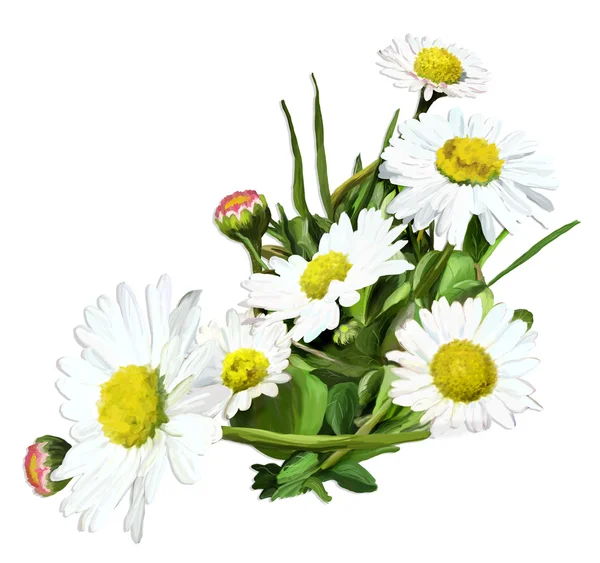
{"x": 321, "y": 271}
{"x": 131, "y": 405}
{"x": 438, "y": 65}
{"x": 463, "y": 371}
{"x": 244, "y": 368}
{"x": 237, "y": 200}
{"x": 469, "y": 160}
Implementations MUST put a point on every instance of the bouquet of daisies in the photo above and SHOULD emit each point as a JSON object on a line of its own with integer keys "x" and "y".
{"x": 366, "y": 326}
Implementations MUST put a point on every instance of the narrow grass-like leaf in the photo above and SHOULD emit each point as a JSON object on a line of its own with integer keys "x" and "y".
{"x": 534, "y": 250}
{"x": 321, "y": 158}
{"x": 365, "y": 196}
{"x": 357, "y": 165}
{"x": 299, "y": 196}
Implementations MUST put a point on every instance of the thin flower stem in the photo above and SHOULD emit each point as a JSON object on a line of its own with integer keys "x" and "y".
{"x": 319, "y": 443}
{"x": 364, "y": 430}
{"x": 258, "y": 264}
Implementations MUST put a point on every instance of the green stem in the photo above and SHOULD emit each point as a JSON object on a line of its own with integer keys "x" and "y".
{"x": 432, "y": 275}
{"x": 364, "y": 430}
{"x": 424, "y": 105}
{"x": 321, "y": 443}
{"x": 254, "y": 249}
{"x": 493, "y": 247}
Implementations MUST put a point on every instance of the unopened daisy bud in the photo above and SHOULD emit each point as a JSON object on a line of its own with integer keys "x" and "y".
{"x": 346, "y": 333}
{"x": 43, "y": 457}
{"x": 243, "y": 213}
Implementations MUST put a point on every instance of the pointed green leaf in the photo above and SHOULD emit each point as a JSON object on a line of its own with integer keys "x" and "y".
{"x": 358, "y": 166}
{"x": 299, "y": 196}
{"x": 366, "y": 193}
{"x": 315, "y": 484}
{"x": 534, "y": 250}
{"x": 342, "y": 403}
{"x": 524, "y": 315}
{"x": 351, "y": 476}
{"x": 321, "y": 158}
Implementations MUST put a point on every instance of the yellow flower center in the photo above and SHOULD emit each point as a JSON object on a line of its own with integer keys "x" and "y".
{"x": 244, "y": 368}
{"x": 32, "y": 471}
{"x": 466, "y": 160}
{"x": 238, "y": 200}
{"x": 463, "y": 371}
{"x": 438, "y": 65}
{"x": 131, "y": 405}
{"x": 321, "y": 271}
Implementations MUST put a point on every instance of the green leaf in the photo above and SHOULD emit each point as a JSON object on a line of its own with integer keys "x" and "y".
{"x": 299, "y": 466}
{"x": 524, "y": 315}
{"x": 463, "y": 290}
{"x": 368, "y": 386}
{"x": 387, "y": 292}
{"x": 286, "y": 231}
{"x": 321, "y": 158}
{"x": 405, "y": 421}
{"x": 386, "y": 384}
{"x": 289, "y": 490}
{"x": 315, "y": 484}
{"x": 351, "y": 476}
{"x": 266, "y": 479}
{"x": 493, "y": 247}
{"x": 487, "y": 300}
{"x": 332, "y": 378}
{"x": 425, "y": 264}
{"x": 270, "y": 251}
{"x": 358, "y": 166}
{"x": 433, "y": 270}
{"x": 475, "y": 243}
{"x": 300, "y": 232}
{"x": 299, "y": 196}
{"x": 365, "y": 194}
{"x": 357, "y": 456}
{"x": 299, "y": 408}
{"x": 460, "y": 267}
{"x": 342, "y": 403}
{"x": 534, "y": 250}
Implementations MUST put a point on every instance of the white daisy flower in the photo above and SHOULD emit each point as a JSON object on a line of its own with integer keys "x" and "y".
{"x": 249, "y": 361}
{"x": 131, "y": 400}
{"x": 461, "y": 369}
{"x": 452, "y": 169}
{"x": 418, "y": 62}
{"x": 347, "y": 261}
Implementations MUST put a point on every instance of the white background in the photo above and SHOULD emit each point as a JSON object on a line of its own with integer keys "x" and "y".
{"x": 122, "y": 124}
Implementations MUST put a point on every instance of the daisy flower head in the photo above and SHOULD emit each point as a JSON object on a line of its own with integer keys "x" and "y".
{"x": 453, "y": 168}
{"x": 248, "y": 360}
{"x": 418, "y": 63}
{"x": 462, "y": 369}
{"x": 131, "y": 400}
{"x": 347, "y": 260}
